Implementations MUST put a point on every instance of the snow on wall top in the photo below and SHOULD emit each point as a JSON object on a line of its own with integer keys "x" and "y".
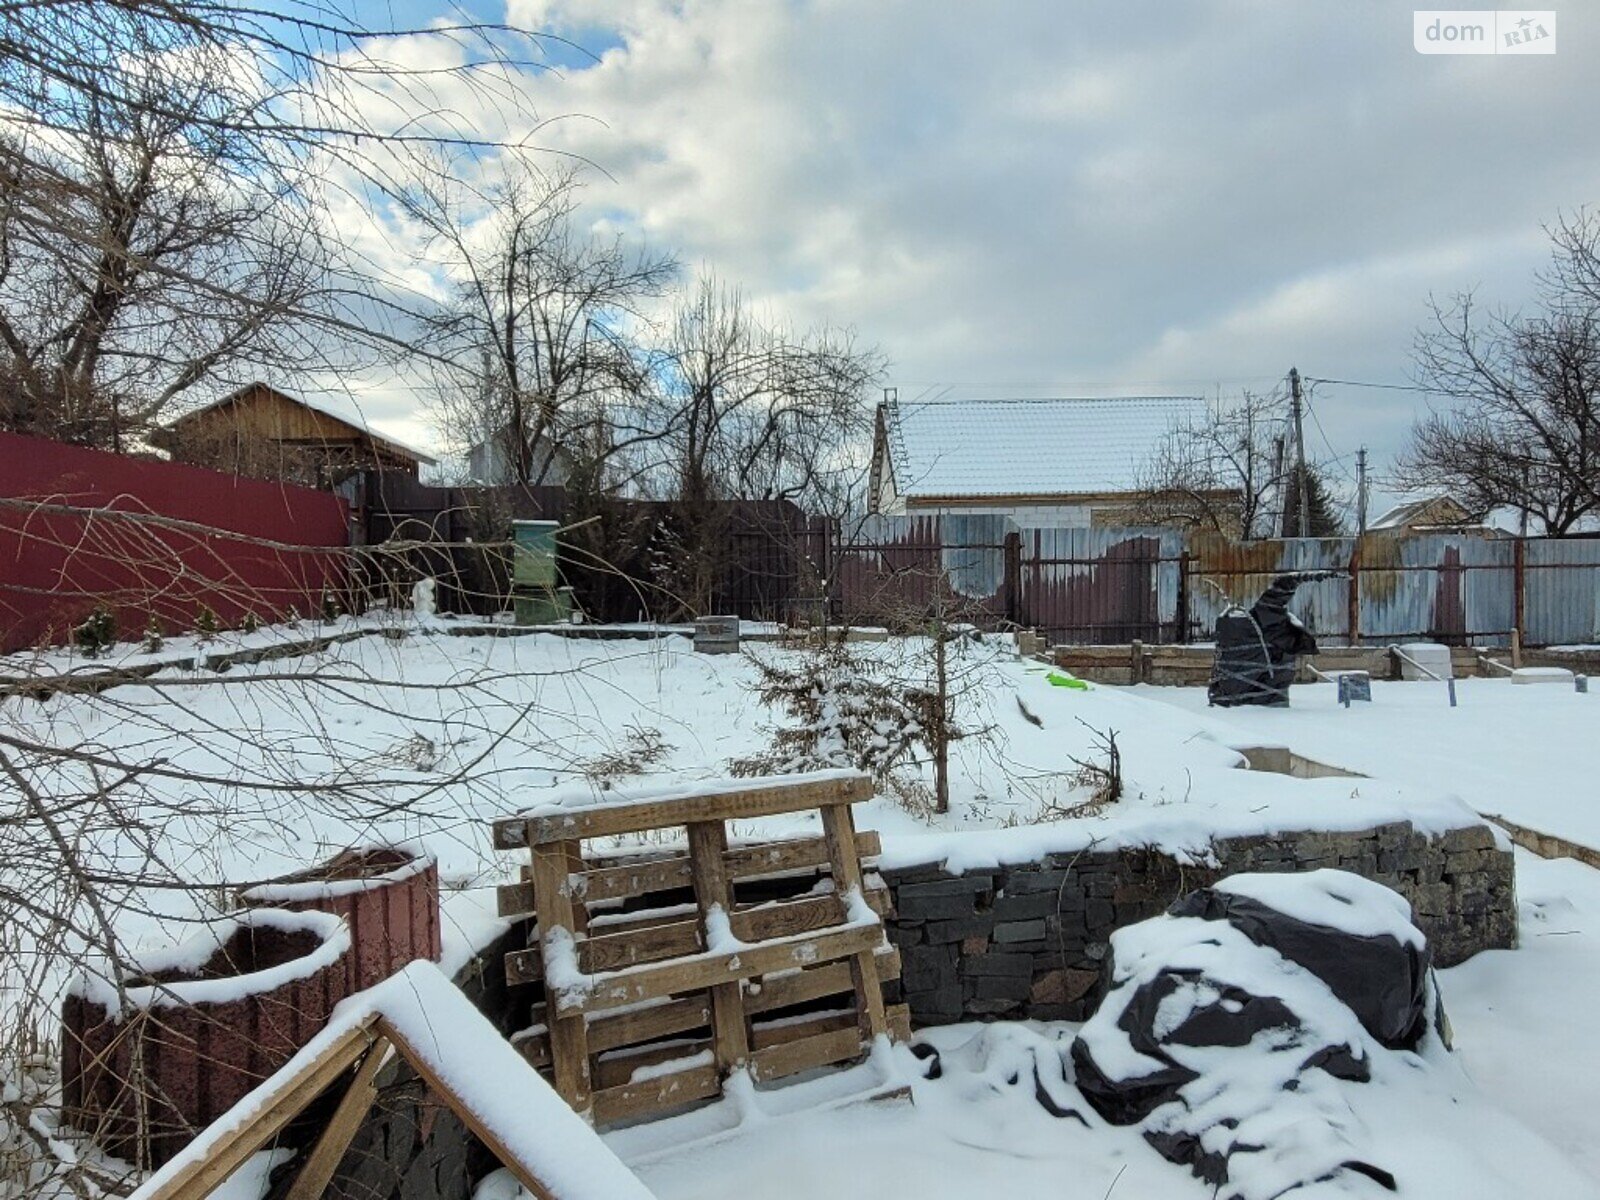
{"x": 1028, "y": 447}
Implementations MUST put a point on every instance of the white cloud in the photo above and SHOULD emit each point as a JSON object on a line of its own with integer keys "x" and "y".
{"x": 1037, "y": 194}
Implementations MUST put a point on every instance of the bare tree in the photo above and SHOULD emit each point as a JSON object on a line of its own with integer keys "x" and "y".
{"x": 135, "y": 263}
{"x": 1524, "y": 429}
{"x": 750, "y": 411}
{"x": 1223, "y": 473}
{"x": 168, "y": 176}
{"x": 539, "y": 359}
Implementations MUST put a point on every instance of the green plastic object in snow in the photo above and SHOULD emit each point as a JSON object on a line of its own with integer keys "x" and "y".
{"x": 1062, "y": 679}
{"x": 535, "y": 586}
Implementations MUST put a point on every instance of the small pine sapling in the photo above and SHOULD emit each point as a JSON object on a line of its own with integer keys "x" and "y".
{"x": 843, "y": 716}
{"x": 205, "y": 623}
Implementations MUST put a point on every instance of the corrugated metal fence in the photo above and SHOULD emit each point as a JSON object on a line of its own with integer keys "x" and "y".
{"x": 1090, "y": 585}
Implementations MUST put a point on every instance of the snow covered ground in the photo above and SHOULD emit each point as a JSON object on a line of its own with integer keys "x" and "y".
{"x": 1525, "y": 752}
{"x": 467, "y": 729}
{"x": 1510, "y": 1112}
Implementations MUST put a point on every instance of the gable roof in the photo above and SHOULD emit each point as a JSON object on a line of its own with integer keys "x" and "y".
{"x": 1441, "y": 509}
{"x": 1058, "y": 447}
{"x": 345, "y": 412}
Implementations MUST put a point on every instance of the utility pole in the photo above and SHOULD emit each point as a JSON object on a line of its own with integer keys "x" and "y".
{"x": 1296, "y": 404}
{"x": 1280, "y": 519}
{"x": 1361, "y": 490}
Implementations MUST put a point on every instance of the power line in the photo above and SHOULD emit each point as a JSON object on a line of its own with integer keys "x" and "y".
{"x": 1389, "y": 387}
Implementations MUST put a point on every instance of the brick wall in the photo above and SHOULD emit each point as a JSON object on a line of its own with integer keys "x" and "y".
{"x": 1029, "y": 940}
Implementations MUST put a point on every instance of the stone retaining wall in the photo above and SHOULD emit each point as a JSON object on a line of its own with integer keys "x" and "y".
{"x": 1029, "y": 940}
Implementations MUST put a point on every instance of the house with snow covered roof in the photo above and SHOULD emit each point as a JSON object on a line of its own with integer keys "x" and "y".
{"x": 1065, "y": 461}
{"x": 1441, "y": 513}
{"x": 262, "y": 432}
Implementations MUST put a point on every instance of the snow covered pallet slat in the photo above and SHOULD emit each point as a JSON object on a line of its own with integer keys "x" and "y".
{"x": 651, "y": 1008}
{"x": 694, "y": 1013}
{"x": 655, "y": 940}
{"x": 762, "y": 860}
{"x": 738, "y": 799}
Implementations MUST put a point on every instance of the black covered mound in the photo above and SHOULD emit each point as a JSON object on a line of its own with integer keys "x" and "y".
{"x": 1232, "y": 1023}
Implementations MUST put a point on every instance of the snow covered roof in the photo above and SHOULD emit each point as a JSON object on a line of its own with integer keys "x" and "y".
{"x": 1027, "y": 447}
{"x": 346, "y": 410}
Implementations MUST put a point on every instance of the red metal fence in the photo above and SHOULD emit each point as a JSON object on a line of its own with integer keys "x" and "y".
{"x": 152, "y": 539}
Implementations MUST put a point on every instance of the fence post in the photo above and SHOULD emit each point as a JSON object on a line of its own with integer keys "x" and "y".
{"x": 1013, "y": 577}
{"x": 1519, "y": 585}
{"x": 1353, "y": 602}
{"x": 1183, "y": 630}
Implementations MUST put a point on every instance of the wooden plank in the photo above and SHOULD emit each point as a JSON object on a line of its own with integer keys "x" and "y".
{"x": 801, "y": 987}
{"x": 838, "y": 826}
{"x": 317, "y": 1171}
{"x": 608, "y": 1031}
{"x": 618, "y": 989}
{"x": 764, "y": 1037}
{"x": 899, "y": 1017}
{"x": 653, "y": 942}
{"x": 200, "y": 1176}
{"x": 758, "y": 798}
{"x": 652, "y": 1095}
{"x": 714, "y": 892}
{"x": 569, "y": 1041}
{"x": 617, "y": 1068}
{"x": 763, "y": 860}
{"x": 804, "y": 1054}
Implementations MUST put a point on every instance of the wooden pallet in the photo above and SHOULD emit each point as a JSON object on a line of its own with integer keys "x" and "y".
{"x": 663, "y": 976}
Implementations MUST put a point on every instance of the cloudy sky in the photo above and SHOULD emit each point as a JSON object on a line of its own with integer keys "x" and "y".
{"x": 1033, "y": 198}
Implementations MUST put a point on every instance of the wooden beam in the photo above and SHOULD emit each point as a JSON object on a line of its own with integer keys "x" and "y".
{"x": 569, "y": 1043}
{"x": 317, "y": 1171}
{"x": 441, "y": 1088}
{"x": 200, "y": 1176}
{"x": 619, "y": 989}
{"x": 838, "y": 826}
{"x": 760, "y": 798}
{"x": 714, "y": 891}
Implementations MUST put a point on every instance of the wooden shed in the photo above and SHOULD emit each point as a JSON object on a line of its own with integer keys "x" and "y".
{"x": 262, "y": 432}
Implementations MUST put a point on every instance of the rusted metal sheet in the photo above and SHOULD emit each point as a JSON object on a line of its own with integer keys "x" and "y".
{"x": 1562, "y": 591}
{"x": 1223, "y": 572}
{"x": 1089, "y": 585}
{"x": 1447, "y": 587}
{"x": 1094, "y": 585}
{"x": 895, "y": 568}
